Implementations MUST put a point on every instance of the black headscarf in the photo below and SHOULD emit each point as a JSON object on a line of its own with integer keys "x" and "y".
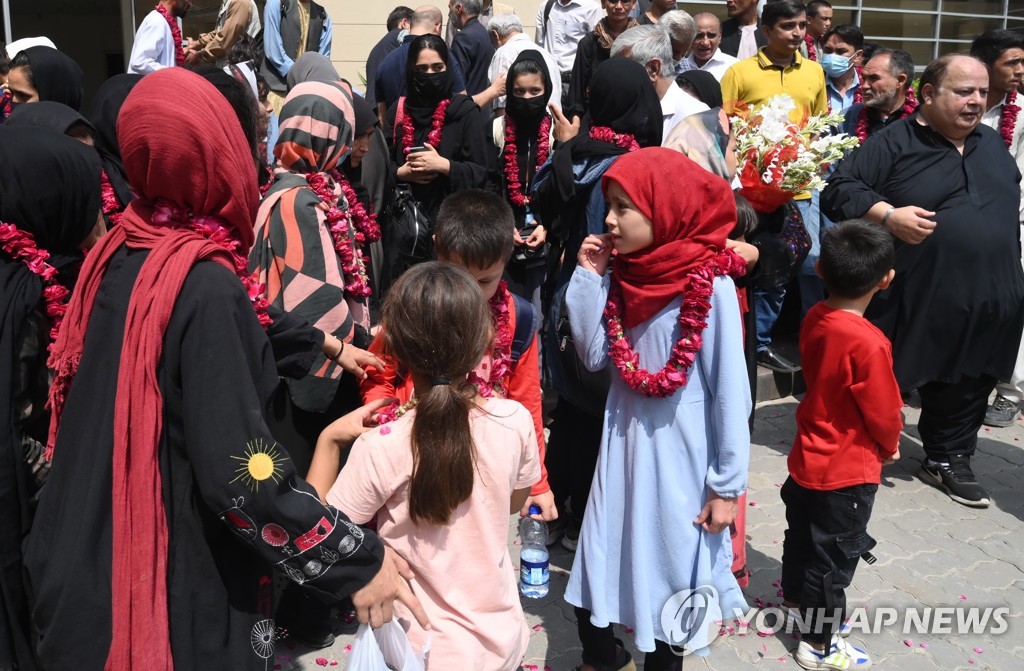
{"x": 49, "y": 187}
{"x": 528, "y": 112}
{"x": 366, "y": 116}
{"x": 46, "y": 114}
{"x": 707, "y": 87}
{"x": 621, "y": 98}
{"x": 56, "y": 76}
{"x": 103, "y": 111}
{"x": 424, "y": 91}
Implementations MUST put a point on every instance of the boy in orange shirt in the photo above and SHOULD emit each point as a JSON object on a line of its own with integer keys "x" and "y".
{"x": 474, "y": 230}
{"x": 848, "y": 426}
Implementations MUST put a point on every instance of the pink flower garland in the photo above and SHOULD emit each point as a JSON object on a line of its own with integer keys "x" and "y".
{"x": 501, "y": 358}
{"x": 179, "y": 52}
{"x": 111, "y": 207}
{"x": 512, "y": 182}
{"x": 436, "y": 126}
{"x": 812, "y": 52}
{"x": 365, "y": 222}
{"x": 353, "y": 262}
{"x": 1008, "y": 120}
{"x": 693, "y": 315}
{"x": 21, "y": 246}
{"x": 620, "y": 140}
{"x": 909, "y": 105}
{"x": 5, "y": 104}
{"x": 214, "y": 229}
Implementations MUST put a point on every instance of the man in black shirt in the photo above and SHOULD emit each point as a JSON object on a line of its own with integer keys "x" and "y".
{"x": 886, "y": 83}
{"x": 472, "y": 48}
{"x": 398, "y": 27}
{"x": 947, "y": 189}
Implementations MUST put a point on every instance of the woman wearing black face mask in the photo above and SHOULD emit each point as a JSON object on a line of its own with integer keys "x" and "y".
{"x": 523, "y": 136}
{"x": 444, "y": 129}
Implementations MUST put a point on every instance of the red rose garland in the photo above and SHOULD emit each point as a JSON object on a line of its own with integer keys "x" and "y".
{"x": 512, "y": 182}
{"x": 21, "y": 246}
{"x": 179, "y": 52}
{"x": 909, "y": 105}
{"x": 353, "y": 263}
{"x": 5, "y": 104}
{"x": 501, "y": 358}
{"x": 812, "y": 52}
{"x": 166, "y": 213}
{"x": 693, "y": 315}
{"x": 365, "y": 222}
{"x": 620, "y": 140}
{"x": 436, "y": 126}
{"x": 111, "y": 207}
{"x": 1008, "y": 120}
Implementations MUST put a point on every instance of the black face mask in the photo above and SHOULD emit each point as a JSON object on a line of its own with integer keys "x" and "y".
{"x": 430, "y": 87}
{"x": 526, "y": 110}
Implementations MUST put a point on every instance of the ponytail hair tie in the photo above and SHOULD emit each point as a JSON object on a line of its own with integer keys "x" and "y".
{"x": 440, "y": 381}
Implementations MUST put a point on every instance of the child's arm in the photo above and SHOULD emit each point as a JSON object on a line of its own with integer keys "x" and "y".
{"x": 339, "y": 435}
{"x": 528, "y": 471}
{"x": 586, "y": 298}
{"x": 725, "y": 373}
{"x": 524, "y": 387}
{"x": 877, "y": 394}
{"x": 519, "y": 497}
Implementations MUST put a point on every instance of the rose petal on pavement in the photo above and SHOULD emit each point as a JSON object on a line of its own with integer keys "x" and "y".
{"x": 321, "y": 661}
{"x": 538, "y": 627}
{"x": 924, "y": 645}
{"x": 978, "y": 650}
{"x": 347, "y": 649}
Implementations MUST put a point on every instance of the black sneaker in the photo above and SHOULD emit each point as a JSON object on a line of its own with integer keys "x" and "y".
{"x": 774, "y": 361}
{"x": 957, "y": 479}
{"x": 571, "y": 539}
{"x": 556, "y": 528}
{"x": 1002, "y": 413}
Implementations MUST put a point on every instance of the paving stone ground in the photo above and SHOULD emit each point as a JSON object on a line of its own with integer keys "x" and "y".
{"x": 931, "y": 552}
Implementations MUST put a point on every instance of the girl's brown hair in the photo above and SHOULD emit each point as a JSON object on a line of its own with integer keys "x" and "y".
{"x": 438, "y": 326}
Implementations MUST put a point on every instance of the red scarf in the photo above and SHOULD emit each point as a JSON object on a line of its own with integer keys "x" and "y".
{"x": 206, "y": 167}
{"x": 690, "y": 226}
{"x": 179, "y": 52}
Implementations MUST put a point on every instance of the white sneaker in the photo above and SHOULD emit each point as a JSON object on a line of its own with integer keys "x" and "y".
{"x": 794, "y": 619}
{"x": 840, "y": 656}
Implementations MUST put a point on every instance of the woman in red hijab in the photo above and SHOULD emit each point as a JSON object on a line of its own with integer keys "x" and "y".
{"x": 168, "y": 499}
{"x": 673, "y": 455}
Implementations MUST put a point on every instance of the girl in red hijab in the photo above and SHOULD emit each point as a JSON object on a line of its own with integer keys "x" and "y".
{"x": 654, "y": 297}
{"x": 168, "y": 499}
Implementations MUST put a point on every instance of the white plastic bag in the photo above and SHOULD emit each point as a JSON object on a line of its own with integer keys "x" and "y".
{"x": 385, "y": 649}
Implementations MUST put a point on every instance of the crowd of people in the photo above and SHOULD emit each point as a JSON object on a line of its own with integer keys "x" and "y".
{"x": 302, "y": 351}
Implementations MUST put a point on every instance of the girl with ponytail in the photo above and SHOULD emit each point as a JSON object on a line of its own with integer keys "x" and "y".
{"x": 442, "y": 478}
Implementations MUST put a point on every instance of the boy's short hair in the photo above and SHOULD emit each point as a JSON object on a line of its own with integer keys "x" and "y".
{"x": 778, "y": 10}
{"x": 855, "y": 256}
{"x": 475, "y": 228}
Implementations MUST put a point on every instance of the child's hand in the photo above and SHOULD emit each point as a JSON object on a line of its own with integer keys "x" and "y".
{"x": 718, "y": 513}
{"x": 343, "y": 431}
{"x": 892, "y": 459}
{"x": 595, "y": 253}
{"x": 747, "y": 251}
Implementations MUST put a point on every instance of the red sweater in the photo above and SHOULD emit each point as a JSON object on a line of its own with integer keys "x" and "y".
{"x": 522, "y": 383}
{"x": 849, "y": 421}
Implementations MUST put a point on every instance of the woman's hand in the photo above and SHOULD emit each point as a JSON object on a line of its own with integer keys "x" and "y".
{"x": 343, "y": 431}
{"x": 595, "y": 253}
{"x": 565, "y": 130}
{"x": 408, "y": 175}
{"x": 747, "y": 251}
{"x": 718, "y": 513}
{"x": 537, "y": 238}
{"x": 352, "y": 359}
{"x": 546, "y": 503}
{"x": 428, "y": 162}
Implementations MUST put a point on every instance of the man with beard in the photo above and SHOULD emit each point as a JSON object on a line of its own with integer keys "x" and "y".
{"x": 155, "y": 45}
{"x": 946, "y": 187}
{"x": 741, "y": 32}
{"x": 707, "y": 54}
{"x": 887, "y": 87}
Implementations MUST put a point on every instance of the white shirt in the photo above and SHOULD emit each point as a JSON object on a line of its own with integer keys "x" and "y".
{"x": 154, "y": 46}
{"x": 991, "y": 118}
{"x": 748, "y": 42}
{"x": 507, "y": 54}
{"x": 567, "y": 25}
{"x": 676, "y": 105}
{"x": 719, "y": 63}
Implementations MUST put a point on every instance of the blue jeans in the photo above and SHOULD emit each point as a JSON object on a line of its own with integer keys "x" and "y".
{"x": 767, "y": 306}
{"x": 812, "y": 290}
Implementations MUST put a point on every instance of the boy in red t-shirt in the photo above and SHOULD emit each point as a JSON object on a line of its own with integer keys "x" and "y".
{"x": 848, "y": 426}
{"x": 474, "y": 230}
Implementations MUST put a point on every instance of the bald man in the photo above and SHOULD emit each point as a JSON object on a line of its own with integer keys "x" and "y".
{"x": 707, "y": 54}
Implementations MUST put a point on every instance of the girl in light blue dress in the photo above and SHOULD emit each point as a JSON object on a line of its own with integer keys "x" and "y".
{"x": 664, "y": 311}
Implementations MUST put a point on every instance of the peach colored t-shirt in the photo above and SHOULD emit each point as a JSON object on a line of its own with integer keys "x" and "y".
{"x": 465, "y": 578}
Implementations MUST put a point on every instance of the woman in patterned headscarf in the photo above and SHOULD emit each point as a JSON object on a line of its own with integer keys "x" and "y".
{"x": 309, "y": 253}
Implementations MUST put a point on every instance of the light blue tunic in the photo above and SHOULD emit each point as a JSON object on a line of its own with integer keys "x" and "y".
{"x": 658, "y": 457}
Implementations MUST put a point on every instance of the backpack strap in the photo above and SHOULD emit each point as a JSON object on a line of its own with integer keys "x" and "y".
{"x": 526, "y": 326}
{"x": 547, "y": 14}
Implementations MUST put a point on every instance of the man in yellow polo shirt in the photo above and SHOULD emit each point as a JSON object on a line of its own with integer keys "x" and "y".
{"x": 779, "y": 68}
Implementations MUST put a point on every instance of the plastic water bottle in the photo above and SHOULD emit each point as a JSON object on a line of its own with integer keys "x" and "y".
{"x": 533, "y": 557}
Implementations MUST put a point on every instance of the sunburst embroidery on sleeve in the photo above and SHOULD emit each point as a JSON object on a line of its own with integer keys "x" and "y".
{"x": 262, "y": 461}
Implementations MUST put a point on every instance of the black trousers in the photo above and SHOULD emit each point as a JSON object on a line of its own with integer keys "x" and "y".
{"x": 952, "y": 414}
{"x": 599, "y": 647}
{"x": 572, "y": 449}
{"x": 827, "y": 534}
